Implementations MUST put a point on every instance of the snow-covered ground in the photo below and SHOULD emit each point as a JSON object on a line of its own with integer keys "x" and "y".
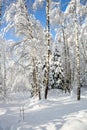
{"x": 60, "y": 112}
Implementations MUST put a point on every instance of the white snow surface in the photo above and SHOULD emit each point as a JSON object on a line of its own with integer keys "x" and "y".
{"x": 60, "y": 112}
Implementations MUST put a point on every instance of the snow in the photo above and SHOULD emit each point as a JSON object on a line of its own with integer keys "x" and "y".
{"x": 73, "y": 124}
{"x": 60, "y": 112}
{"x": 37, "y": 3}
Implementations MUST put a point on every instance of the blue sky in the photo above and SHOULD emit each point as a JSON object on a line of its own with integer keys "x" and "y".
{"x": 40, "y": 14}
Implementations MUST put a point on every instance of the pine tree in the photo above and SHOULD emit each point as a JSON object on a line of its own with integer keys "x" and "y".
{"x": 56, "y": 79}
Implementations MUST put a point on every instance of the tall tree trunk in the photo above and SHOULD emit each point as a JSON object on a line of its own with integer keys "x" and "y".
{"x": 77, "y": 55}
{"x": 78, "y": 66}
{"x": 65, "y": 67}
{"x": 67, "y": 64}
{"x": 35, "y": 78}
{"x": 48, "y": 47}
{"x": 4, "y": 76}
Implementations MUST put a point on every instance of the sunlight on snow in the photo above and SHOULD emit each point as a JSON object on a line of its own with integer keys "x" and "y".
{"x": 2, "y": 111}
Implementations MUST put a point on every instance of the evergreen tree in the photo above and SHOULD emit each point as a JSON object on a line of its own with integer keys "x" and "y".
{"x": 56, "y": 77}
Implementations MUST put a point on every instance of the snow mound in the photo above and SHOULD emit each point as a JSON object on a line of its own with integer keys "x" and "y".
{"x": 74, "y": 124}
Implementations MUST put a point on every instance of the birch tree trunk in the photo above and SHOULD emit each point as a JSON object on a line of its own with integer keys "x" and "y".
{"x": 67, "y": 64}
{"x": 35, "y": 78}
{"x": 78, "y": 65}
{"x": 48, "y": 48}
{"x": 65, "y": 67}
{"x": 77, "y": 55}
{"x": 4, "y": 75}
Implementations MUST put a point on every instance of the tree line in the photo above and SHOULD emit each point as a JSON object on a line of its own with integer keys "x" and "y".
{"x": 39, "y": 60}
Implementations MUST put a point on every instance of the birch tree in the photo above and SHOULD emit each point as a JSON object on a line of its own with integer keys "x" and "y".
{"x": 77, "y": 12}
{"x": 30, "y": 29}
{"x": 48, "y": 47}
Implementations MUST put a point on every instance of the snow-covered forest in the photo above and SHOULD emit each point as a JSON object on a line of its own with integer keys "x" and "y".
{"x": 43, "y": 64}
